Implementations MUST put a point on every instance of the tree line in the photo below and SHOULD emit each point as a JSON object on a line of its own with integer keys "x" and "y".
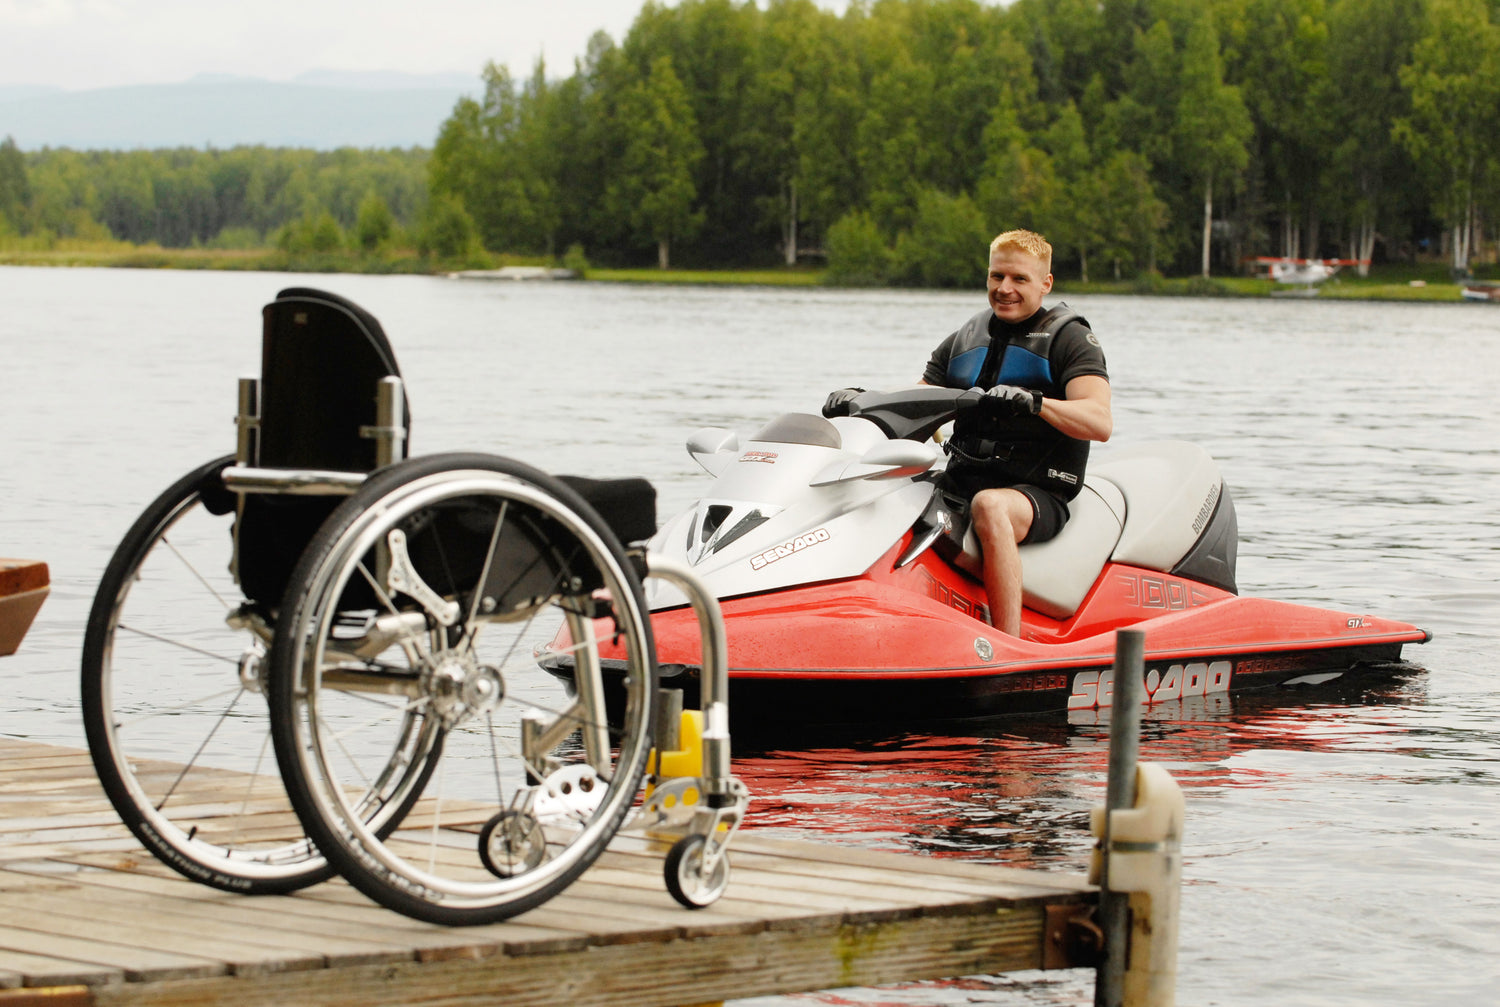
{"x": 1141, "y": 136}
{"x": 246, "y": 197}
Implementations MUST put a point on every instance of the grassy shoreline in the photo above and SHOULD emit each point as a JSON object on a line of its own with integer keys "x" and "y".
{"x": 1422, "y": 282}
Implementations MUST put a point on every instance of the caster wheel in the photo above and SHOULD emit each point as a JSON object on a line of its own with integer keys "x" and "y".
{"x": 511, "y": 843}
{"x": 685, "y": 878}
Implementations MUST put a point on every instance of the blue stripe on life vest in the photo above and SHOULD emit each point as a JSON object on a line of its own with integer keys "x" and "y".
{"x": 1024, "y": 368}
{"x": 963, "y": 370}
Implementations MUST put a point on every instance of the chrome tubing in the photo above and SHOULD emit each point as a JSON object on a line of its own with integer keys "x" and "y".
{"x": 295, "y": 482}
{"x": 714, "y": 680}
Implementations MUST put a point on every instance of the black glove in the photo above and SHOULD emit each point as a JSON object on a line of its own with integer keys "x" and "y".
{"x": 837, "y": 403}
{"x": 1014, "y": 401}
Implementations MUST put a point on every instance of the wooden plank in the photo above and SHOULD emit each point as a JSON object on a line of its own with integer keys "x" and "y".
{"x": 826, "y": 853}
{"x": 23, "y": 969}
{"x": 301, "y": 914}
{"x": 101, "y": 916}
{"x": 137, "y": 963}
{"x": 680, "y": 971}
{"x": 246, "y": 945}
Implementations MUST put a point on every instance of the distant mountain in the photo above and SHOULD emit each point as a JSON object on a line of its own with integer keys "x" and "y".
{"x": 388, "y": 80}
{"x": 322, "y": 109}
{"x": 11, "y": 92}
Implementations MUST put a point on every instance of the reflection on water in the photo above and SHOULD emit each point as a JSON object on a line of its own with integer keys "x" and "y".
{"x": 1017, "y": 790}
{"x": 1340, "y": 848}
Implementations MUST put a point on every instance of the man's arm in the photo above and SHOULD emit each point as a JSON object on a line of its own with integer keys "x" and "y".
{"x": 1085, "y": 413}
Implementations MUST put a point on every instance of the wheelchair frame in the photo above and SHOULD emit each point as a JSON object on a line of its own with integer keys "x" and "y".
{"x": 357, "y": 627}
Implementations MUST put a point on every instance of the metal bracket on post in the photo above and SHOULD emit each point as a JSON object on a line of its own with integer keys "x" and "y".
{"x": 389, "y": 431}
{"x": 247, "y": 423}
{"x": 1073, "y": 938}
{"x": 1137, "y": 860}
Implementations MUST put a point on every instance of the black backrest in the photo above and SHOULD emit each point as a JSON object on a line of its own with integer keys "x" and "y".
{"x": 321, "y": 359}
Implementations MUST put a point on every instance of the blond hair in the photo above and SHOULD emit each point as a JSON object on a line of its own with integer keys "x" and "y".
{"x": 1030, "y": 242}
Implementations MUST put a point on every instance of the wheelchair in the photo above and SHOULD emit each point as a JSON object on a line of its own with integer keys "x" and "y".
{"x": 370, "y": 622}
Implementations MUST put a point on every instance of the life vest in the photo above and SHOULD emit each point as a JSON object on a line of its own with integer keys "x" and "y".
{"x": 1001, "y": 450}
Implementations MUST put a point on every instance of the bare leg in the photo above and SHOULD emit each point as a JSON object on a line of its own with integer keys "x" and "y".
{"x": 1002, "y": 517}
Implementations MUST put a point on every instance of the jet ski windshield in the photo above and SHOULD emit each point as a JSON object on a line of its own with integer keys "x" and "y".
{"x": 800, "y": 428}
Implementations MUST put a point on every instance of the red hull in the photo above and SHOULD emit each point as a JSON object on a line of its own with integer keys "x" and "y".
{"x": 906, "y": 643}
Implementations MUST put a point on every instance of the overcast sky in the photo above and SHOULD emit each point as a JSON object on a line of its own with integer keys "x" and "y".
{"x": 79, "y": 44}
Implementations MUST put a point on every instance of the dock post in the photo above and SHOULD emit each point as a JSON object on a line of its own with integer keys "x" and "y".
{"x": 1137, "y": 859}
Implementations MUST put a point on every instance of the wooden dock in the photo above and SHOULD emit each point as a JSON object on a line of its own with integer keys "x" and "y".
{"x": 88, "y": 918}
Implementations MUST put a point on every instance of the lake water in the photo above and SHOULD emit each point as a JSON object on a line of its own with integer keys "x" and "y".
{"x": 1339, "y": 850}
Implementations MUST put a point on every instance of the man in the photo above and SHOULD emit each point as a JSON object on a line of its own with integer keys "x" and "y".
{"x": 1021, "y": 454}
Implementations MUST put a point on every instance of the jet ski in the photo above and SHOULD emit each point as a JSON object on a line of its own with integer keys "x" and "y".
{"x": 851, "y": 594}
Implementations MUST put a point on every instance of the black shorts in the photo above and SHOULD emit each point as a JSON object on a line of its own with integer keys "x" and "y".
{"x": 1049, "y": 512}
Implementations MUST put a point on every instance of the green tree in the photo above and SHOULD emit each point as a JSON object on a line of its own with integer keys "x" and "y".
{"x": 127, "y": 195}
{"x": 655, "y": 190}
{"x": 1454, "y": 83}
{"x": 1075, "y": 220}
{"x": 1276, "y": 52}
{"x": 858, "y": 255}
{"x": 374, "y": 225}
{"x": 1142, "y": 117}
{"x": 947, "y": 244}
{"x": 1212, "y": 125}
{"x": 1018, "y": 185}
{"x": 1069, "y": 44}
{"x": 498, "y": 158}
{"x": 712, "y": 46}
{"x": 316, "y": 232}
{"x": 15, "y": 190}
{"x": 447, "y": 230}
{"x": 827, "y": 181}
{"x": 1132, "y": 214}
{"x": 64, "y": 195}
{"x": 187, "y": 212}
{"x": 1368, "y": 42}
{"x": 801, "y": 81}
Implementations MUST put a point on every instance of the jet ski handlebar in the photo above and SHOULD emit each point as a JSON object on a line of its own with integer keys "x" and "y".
{"x": 910, "y": 413}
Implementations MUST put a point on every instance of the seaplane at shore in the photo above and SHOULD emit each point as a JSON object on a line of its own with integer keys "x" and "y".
{"x": 1303, "y": 274}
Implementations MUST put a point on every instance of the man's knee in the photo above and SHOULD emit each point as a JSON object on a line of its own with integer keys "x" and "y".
{"x": 1001, "y": 513}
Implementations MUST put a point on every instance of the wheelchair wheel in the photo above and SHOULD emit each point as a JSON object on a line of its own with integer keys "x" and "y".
{"x": 408, "y": 633}
{"x": 176, "y": 727}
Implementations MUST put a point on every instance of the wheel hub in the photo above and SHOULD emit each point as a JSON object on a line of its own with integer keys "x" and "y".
{"x": 458, "y": 687}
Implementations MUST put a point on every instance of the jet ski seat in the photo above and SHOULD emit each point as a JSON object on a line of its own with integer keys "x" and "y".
{"x": 1160, "y": 505}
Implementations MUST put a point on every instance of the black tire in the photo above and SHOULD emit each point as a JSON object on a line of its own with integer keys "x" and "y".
{"x": 683, "y": 873}
{"x": 390, "y": 655}
{"x": 177, "y": 734}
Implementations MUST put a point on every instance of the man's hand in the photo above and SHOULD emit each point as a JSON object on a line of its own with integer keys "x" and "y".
{"x": 837, "y": 403}
{"x": 1014, "y": 401}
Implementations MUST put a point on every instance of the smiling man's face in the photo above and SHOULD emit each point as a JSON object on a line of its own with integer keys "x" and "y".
{"x": 1018, "y": 282}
